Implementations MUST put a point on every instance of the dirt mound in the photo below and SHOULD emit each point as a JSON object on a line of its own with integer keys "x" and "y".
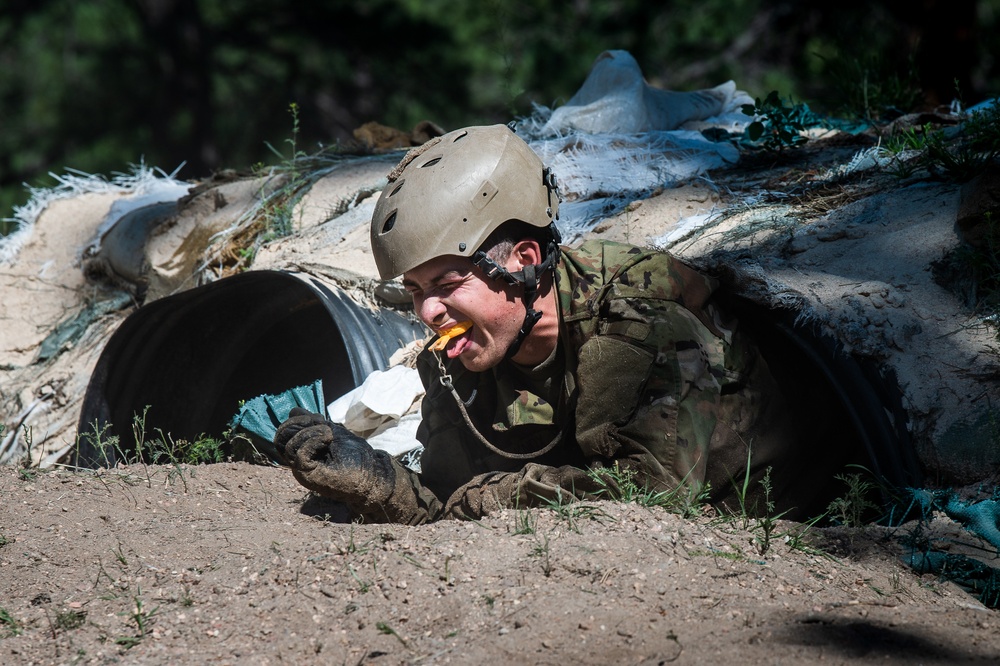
{"x": 234, "y": 563}
{"x": 851, "y": 256}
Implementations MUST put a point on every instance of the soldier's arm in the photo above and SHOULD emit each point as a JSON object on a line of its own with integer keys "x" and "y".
{"x": 649, "y": 395}
{"x": 534, "y": 485}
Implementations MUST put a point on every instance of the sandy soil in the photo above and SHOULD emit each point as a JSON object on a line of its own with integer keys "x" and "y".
{"x": 237, "y": 564}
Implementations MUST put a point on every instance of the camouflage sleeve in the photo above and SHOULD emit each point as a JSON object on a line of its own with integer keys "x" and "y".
{"x": 650, "y": 390}
{"x": 533, "y": 485}
{"x": 682, "y": 408}
{"x": 652, "y": 361}
{"x": 410, "y": 502}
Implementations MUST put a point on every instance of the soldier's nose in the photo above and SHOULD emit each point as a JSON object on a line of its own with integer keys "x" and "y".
{"x": 432, "y": 312}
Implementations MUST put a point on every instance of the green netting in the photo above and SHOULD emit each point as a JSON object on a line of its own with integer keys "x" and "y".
{"x": 982, "y": 518}
{"x": 973, "y": 575}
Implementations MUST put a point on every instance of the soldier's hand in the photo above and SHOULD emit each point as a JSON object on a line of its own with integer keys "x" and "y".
{"x": 331, "y": 460}
{"x": 298, "y": 420}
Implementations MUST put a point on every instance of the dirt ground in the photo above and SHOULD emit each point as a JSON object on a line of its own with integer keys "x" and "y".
{"x": 237, "y": 564}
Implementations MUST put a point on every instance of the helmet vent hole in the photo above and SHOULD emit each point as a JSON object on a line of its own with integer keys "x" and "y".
{"x": 397, "y": 188}
{"x": 459, "y": 137}
{"x": 430, "y": 163}
{"x": 389, "y": 223}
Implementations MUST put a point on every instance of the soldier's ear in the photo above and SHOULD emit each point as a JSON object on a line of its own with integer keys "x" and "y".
{"x": 525, "y": 253}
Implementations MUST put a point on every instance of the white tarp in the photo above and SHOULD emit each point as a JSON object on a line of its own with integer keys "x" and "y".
{"x": 382, "y": 409}
{"x": 619, "y": 138}
{"x": 616, "y": 99}
{"x": 140, "y": 187}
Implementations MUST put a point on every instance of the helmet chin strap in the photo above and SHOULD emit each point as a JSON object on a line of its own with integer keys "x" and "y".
{"x": 527, "y": 278}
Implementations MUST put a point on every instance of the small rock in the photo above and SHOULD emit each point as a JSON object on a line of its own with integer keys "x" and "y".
{"x": 926, "y": 314}
{"x": 832, "y": 235}
{"x": 800, "y": 244}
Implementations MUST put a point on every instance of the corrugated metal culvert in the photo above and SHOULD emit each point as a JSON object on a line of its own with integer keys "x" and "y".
{"x": 192, "y": 357}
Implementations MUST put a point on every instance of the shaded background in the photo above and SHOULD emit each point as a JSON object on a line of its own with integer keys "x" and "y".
{"x": 96, "y": 85}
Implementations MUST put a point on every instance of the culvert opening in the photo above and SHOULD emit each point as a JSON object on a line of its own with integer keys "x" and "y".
{"x": 191, "y": 358}
{"x": 848, "y": 410}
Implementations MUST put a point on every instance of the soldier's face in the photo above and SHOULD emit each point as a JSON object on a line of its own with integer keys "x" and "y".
{"x": 448, "y": 290}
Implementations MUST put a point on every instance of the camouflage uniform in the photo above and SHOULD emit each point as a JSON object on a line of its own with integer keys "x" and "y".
{"x": 647, "y": 375}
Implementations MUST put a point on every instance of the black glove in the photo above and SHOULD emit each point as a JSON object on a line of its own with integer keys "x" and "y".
{"x": 329, "y": 459}
{"x": 298, "y": 420}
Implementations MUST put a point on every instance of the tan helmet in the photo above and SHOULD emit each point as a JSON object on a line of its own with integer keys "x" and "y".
{"x": 448, "y": 195}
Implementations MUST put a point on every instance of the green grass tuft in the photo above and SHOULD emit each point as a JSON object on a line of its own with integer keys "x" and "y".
{"x": 620, "y": 484}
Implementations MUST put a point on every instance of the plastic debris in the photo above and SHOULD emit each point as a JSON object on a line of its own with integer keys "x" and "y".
{"x": 616, "y": 99}
{"x": 262, "y": 415}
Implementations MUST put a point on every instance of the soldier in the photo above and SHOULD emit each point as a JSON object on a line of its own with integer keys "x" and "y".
{"x": 551, "y": 363}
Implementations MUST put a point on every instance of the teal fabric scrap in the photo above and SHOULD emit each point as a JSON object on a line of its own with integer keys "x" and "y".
{"x": 71, "y": 329}
{"x": 262, "y": 415}
{"x": 982, "y": 518}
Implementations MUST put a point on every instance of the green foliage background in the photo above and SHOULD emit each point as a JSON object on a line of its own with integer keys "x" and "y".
{"x": 98, "y": 84}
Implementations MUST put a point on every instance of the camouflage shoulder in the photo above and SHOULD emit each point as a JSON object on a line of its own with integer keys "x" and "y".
{"x": 660, "y": 275}
{"x": 588, "y": 267}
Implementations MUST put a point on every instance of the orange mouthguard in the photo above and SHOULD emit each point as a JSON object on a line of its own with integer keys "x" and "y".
{"x": 450, "y": 333}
